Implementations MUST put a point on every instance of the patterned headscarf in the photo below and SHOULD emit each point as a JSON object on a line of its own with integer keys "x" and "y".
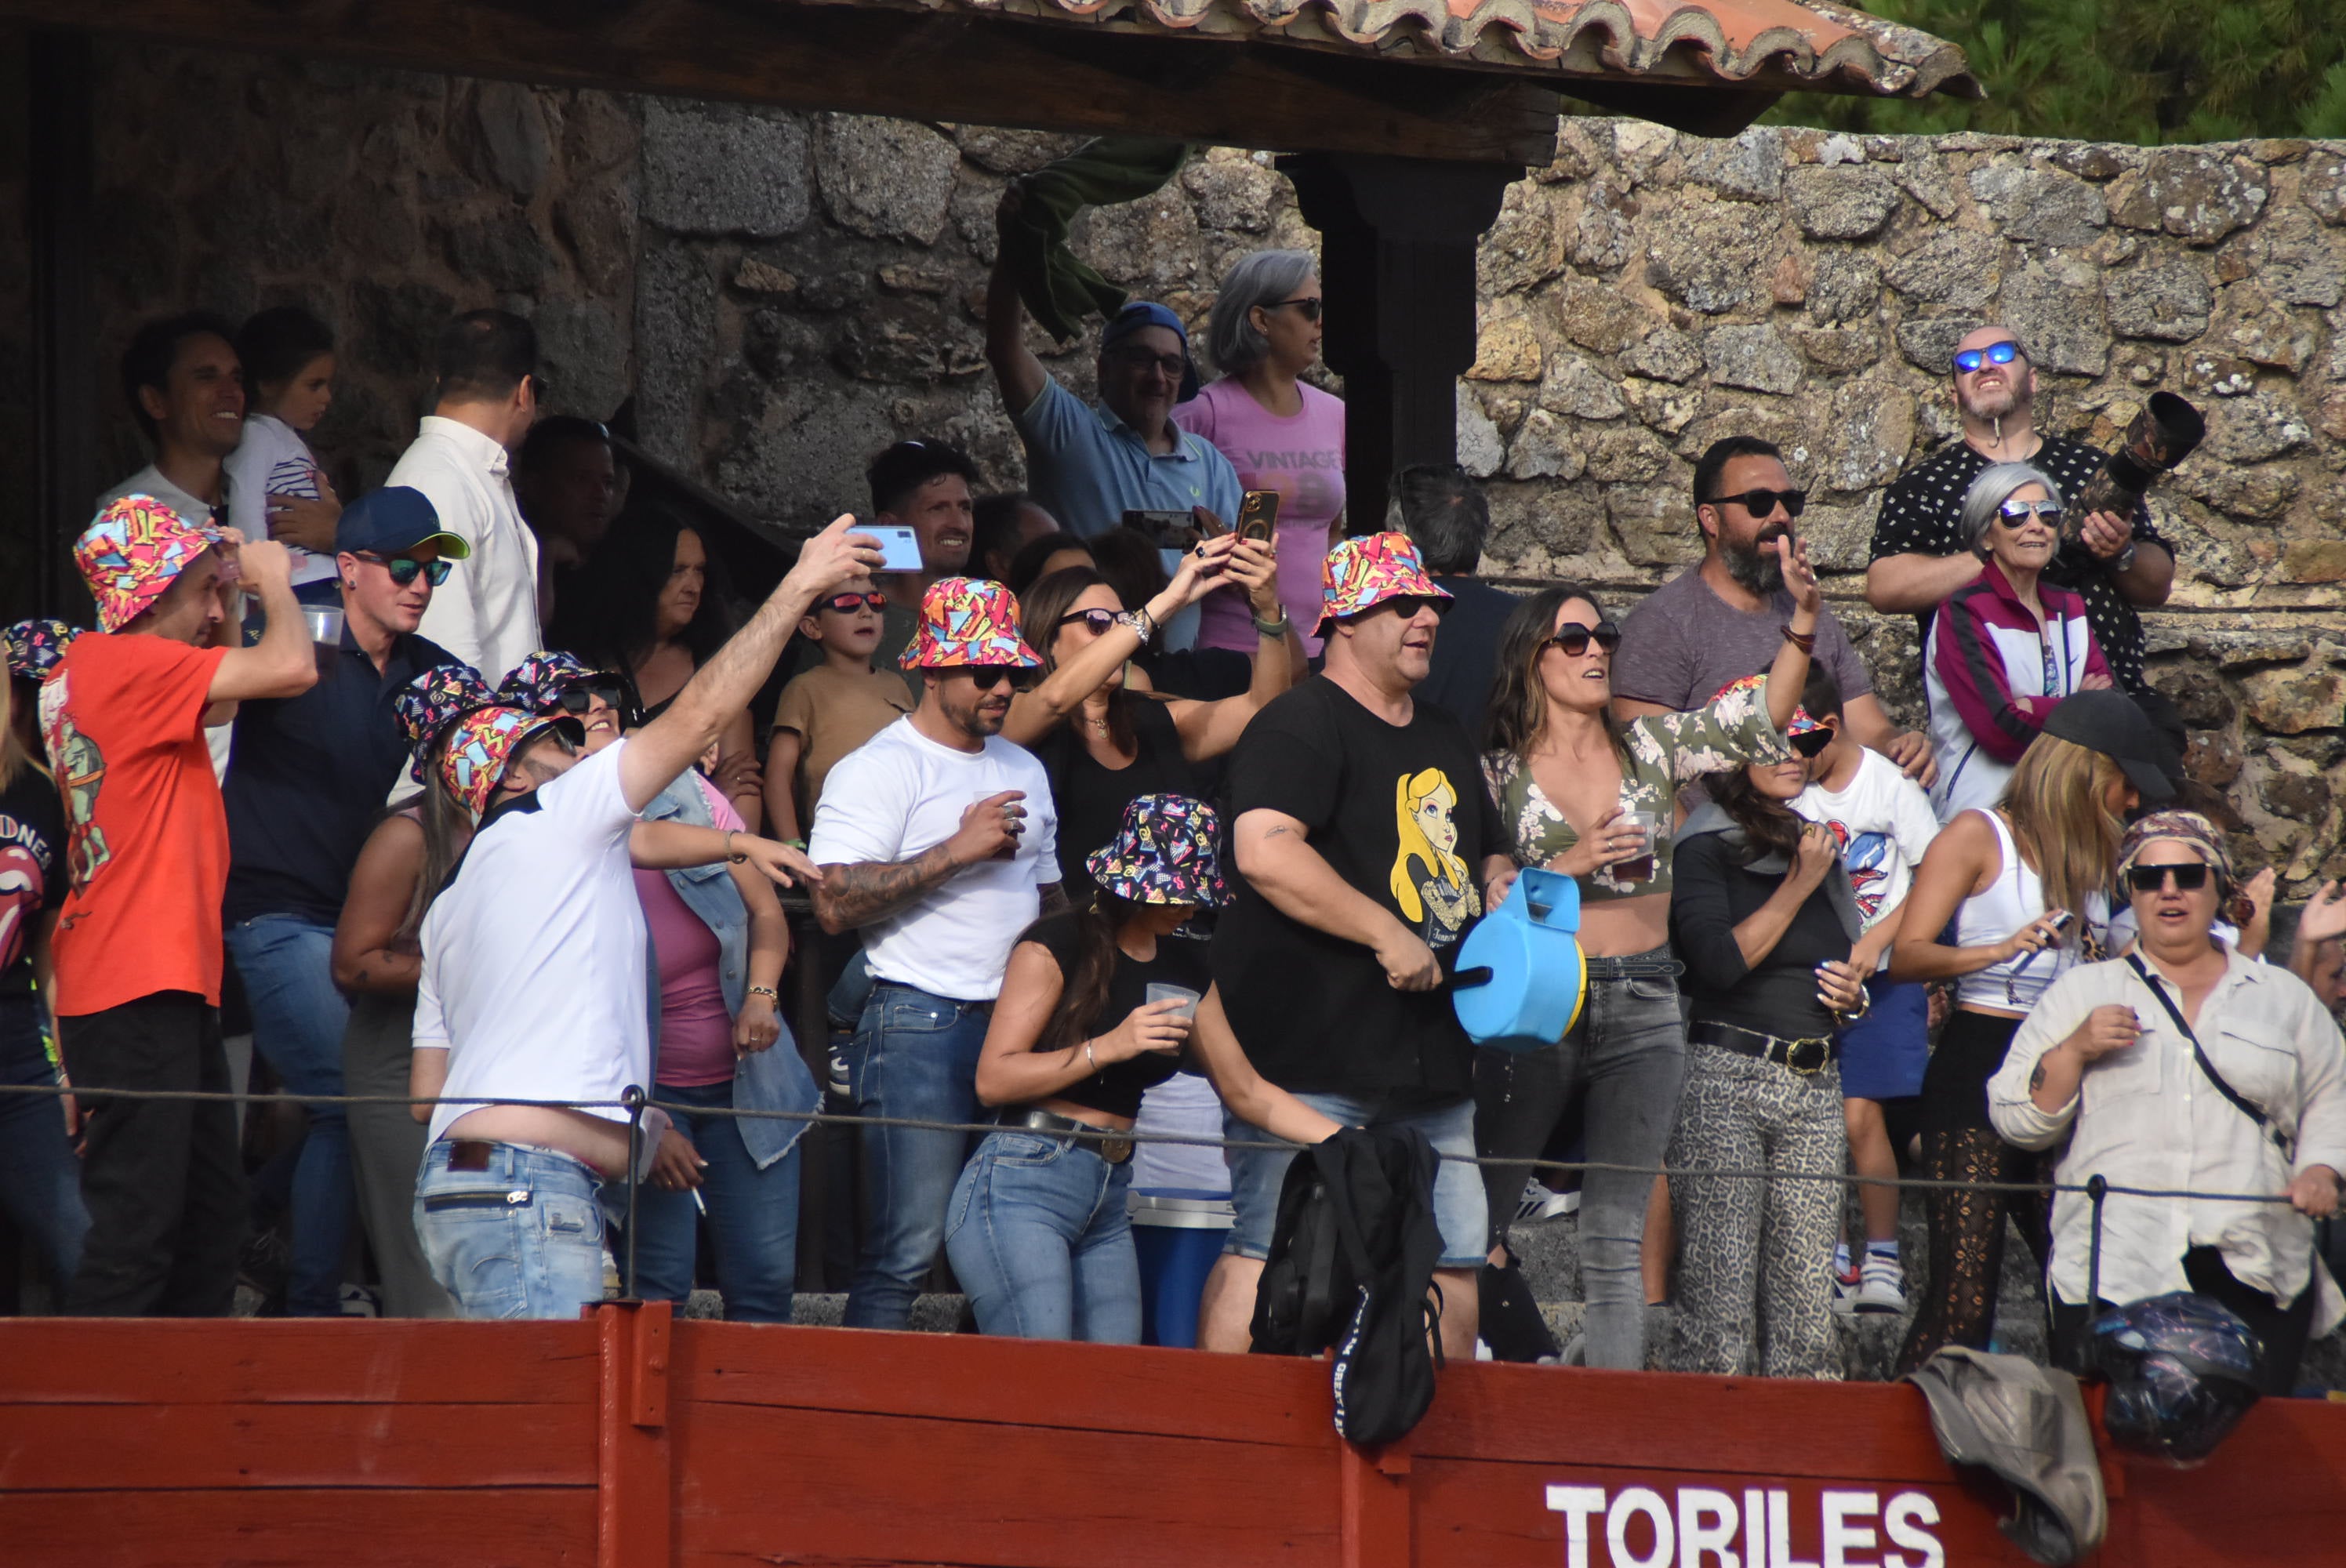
{"x": 433, "y": 700}
{"x": 1362, "y": 573}
{"x": 484, "y": 741}
{"x": 2189, "y": 827}
{"x": 968, "y": 623}
{"x": 36, "y": 647}
{"x": 135, "y": 550}
{"x": 1166, "y": 852}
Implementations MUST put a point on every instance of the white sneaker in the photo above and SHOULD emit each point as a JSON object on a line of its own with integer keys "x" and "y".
{"x": 1538, "y": 1205}
{"x": 1845, "y": 1283}
{"x": 1881, "y": 1286}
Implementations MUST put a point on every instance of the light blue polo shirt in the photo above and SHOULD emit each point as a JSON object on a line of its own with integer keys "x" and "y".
{"x": 1088, "y": 468}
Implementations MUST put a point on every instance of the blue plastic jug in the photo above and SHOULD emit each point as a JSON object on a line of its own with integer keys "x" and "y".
{"x": 1521, "y": 976}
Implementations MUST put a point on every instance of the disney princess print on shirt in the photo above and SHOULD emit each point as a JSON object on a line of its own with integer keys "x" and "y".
{"x": 1433, "y": 886}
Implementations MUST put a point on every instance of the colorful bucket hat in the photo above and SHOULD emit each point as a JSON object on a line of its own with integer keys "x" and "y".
{"x": 1166, "y": 852}
{"x": 968, "y": 623}
{"x": 1360, "y": 574}
{"x": 1757, "y": 685}
{"x": 433, "y": 700}
{"x": 487, "y": 740}
{"x": 135, "y": 550}
{"x": 36, "y": 647}
{"x": 537, "y": 683}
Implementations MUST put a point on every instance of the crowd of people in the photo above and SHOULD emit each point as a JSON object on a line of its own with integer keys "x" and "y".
{"x": 488, "y": 792}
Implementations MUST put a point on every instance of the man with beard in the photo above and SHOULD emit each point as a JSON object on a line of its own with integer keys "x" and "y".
{"x": 936, "y": 839}
{"x": 1920, "y": 556}
{"x": 926, "y": 486}
{"x": 1726, "y": 617}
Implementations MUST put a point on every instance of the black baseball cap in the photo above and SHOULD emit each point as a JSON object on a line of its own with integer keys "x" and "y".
{"x": 393, "y": 519}
{"x": 2110, "y": 722}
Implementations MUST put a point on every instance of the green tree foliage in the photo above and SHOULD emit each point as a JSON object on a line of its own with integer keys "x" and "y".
{"x": 2117, "y": 70}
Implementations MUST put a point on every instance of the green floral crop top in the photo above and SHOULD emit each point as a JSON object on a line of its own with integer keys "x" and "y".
{"x": 1661, "y": 752}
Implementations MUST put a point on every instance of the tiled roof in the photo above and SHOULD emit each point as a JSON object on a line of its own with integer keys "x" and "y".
{"x": 1766, "y": 43}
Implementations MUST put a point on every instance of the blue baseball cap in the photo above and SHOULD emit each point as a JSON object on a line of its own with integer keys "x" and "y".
{"x": 395, "y": 519}
{"x": 1138, "y": 314}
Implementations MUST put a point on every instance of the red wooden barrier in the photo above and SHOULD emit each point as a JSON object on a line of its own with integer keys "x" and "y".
{"x": 629, "y": 1440}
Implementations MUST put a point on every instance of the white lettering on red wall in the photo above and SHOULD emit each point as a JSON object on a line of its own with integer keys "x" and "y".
{"x": 1703, "y": 1527}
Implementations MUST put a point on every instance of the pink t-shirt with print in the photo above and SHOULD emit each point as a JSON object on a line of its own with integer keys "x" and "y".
{"x": 1301, "y": 458}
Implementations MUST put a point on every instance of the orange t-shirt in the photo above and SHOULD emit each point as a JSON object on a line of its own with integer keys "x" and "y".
{"x": 146, "y": 834}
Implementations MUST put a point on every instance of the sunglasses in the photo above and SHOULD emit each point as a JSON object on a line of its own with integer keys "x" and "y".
{"x": 1097, "y": 622}
{"x": 1810, "y": 743}
{"x": 1406, "y": 606}
{"x": 2015, "y": 514}
{"x": 2189, "y": 876}
{"x": 579, "y": 698}
{"x": 405, "y": 569}
{"x": 985, "y": 677}
{"x": 1970, "y": 361}
{"x": 1310, "y": 307}
{"x": 847, "y": 603}
{"x": 1763, "y": 503}
{"x": 1572, "y": 639}
{"x": 1175, "y": 366}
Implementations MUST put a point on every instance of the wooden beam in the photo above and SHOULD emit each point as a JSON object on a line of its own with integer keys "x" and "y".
{"x": 984, "y": 69}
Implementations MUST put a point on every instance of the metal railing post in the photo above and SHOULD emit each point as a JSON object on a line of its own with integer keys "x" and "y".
{"x": 2097, "y": 1193}
{"x": 632, "y": 1097}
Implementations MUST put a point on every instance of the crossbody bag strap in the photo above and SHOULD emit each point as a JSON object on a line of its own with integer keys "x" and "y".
{"x": 2241, "y": 1102}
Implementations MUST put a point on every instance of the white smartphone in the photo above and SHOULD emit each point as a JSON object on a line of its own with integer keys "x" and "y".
{"x": 899, "y": 548}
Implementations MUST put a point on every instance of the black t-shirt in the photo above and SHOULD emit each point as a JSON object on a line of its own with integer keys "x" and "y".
{"x": 1116, "y": 1088}
{"x": 1400, "y": 812}
{"x": 1091, "y": 799}
{"x": 1712, "y": 894}
{"x": 1922, "y": 515}
{"x": 32, "y": 835}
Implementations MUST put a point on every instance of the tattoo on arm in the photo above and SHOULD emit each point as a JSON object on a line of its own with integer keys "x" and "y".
{"x": 856, "y": 895}
{"x": 1277, "y": 832}
{"x": 2037, "y": 1078}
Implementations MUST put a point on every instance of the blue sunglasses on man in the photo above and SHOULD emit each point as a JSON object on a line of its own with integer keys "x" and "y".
{"x": 1968, "y": 361}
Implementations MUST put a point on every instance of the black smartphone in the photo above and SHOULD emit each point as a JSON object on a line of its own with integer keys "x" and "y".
{"x": 1259, "y": 514}
{"x": 1167, "y": 530}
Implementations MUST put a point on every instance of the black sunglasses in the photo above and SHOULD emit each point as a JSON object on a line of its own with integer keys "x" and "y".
{"x": 579, "y": 697}
{"x": 985, "y": 677}
{"x": 1811, "y": 742}
{"x": 1763, "y": 503}
{"x": 2189, "y": 876}
{"x": 1968, "y": 361}
{"x": 1406, "y": 606}
{"x": 1572, "y": 639}
{"x": 1098, "y": 622}
{"x": 1310, "y": 307}
{"x": 847, "y": 603}
{"x": 1174, "y": 366}
{"x": 404, "y": 569}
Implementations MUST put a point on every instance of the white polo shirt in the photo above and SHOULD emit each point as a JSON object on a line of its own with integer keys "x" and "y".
{"x": 486, "y": 613}
{"x": 534, "y": 978}
{"x": 901, "y": 794}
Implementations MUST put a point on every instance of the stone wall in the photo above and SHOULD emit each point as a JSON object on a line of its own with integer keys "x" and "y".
{"x": 782, "y": 294}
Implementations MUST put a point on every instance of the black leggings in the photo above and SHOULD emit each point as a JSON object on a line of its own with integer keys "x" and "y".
{"x": 2283, "y": 1329}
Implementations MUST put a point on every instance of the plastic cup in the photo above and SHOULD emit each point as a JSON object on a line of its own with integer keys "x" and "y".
{"x": 325, "y": 624}
{"x": 1187, "y": 998}
{"x": 1638, "y": 868}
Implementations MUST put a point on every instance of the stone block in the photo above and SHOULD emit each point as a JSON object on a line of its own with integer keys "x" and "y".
{"x": 1232, "y": 191}
{"x": 1578, "y": 390}
{"x": 676, "y": 323}
{"x": 2198, "y": 694}
{"x": 2199, "y": 196}
{"x": 1545, "y": 448}
{"x": 1661, "y": 406}
{"x": 1602, "y": 235}
{"x": 2259, "y": 493}
{"x": 1480, "y": 450}
{"x": 807, "y": 448}
{"x": 582, "y": 346}
{"x": 1506, "y": 350}
{"x": 1601, "y": 319}
{"x": 1926, "y": 179}
{"x": 2297, "y": 261}
{"x": 1625, "y": 454}
{"x": 2033, "y": 205}
{"x": 1867, "y": 436}
{"x": 2255, "y": 428}
{"x": 1664, "y": 354}
{"x": 886, "y": 179}
{"x": 1007, "y": 151}
{"x": 1149, "y": 246}
{"x": 1958, "y": 268}
{"x": 2291, "y": 701}
{"x": 2213, "y": 757}
{"x": 1653, "y": 524}
{"x": 1712, "y": 257}
{"x": 1748, "y": 168}
{"x": 597, "y": 131}
{"x": 2056, "y": 308}
{"x": 1844, "y": 285}
{"x": 1551, "y": 520}
{"x": 2323, "y": 185}
{"x": 2313, "y": 561}
{"x": 1841, "y": 203}
{"x": 2292, "y": 788}
{"x": 595, "y": 218}
{"x": 512, "y": 146}
{"x": 1752, "y": 357}
{"x": 712, "y": 168}
{"x": 1840, "y": 538}
{"x": 504, "y": 251}
{"x": 399, "y": 325}
{"x": 1524, "y": 245}
{"x": 754, "y": 276}
{"x": 1834, "y": 351}
{"x": 2168, "y": 299}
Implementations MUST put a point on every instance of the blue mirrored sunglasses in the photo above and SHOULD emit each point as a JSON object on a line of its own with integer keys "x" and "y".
{"x": 1968, "y": 361}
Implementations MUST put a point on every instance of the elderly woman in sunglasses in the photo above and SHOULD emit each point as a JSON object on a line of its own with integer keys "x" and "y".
{"x": 1594, "y": 798}
{"x": 2005, "y": 649}
{"x": 2185, "y": 1066}
{"x": 1106, "y": 745}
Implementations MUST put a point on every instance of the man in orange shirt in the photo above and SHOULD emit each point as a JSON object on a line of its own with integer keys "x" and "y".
{"x": 137, "y": 944}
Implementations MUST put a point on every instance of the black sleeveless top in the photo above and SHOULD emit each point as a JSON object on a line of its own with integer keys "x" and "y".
{"x": 1091, "y": 799}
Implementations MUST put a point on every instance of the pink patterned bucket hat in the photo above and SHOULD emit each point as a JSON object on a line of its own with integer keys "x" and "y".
{"x": 1167, "y": 850}
{"x": 968, "y": 623}
{"x": 1362, "y": 573}
{"x": 487, "y": 740}
{"x": 135, "y": 550}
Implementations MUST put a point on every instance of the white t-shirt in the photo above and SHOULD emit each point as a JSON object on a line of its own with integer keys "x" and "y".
{"x": 900, "y": 794}
{"x": 272, "y": 459}
{"x": 534, "y": 977}
{"x": 1885, "y": 822}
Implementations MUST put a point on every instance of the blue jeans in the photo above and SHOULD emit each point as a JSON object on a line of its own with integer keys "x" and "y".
{"x": 521, "y": 1238}
{"x": 1039, "y": 1240}
{"x": 40, "y": 1179}
{"x": 913, "y": 1054}
{"x": 753, "y": 1216}
{"x": 298, "y": 1018}
{"x": 1257, "y": 1174}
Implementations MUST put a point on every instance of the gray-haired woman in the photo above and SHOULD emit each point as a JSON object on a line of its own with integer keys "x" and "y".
{"x": 2006, "y": 646}
{"x": 1281, "y": 434}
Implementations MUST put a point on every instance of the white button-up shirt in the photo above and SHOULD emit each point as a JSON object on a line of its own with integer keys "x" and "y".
{"x": 2147, "y": 1117}
{"x": 486, "y": 612}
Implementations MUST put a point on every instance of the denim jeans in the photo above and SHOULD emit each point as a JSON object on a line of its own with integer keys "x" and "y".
{"x": 521, "y": 1238}
{"x": 913, "y": 1054}
{"x": 40, "y": 1179}
{"x": 753, "y": 1216}
{"x": 298, "y": 1017}
{"x": 1628, "y": 1054}
{"x": 1039, "y": 1240}
{"x": 1257, "y": 1175}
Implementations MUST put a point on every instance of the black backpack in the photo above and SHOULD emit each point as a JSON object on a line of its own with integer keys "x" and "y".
{"x": 1351, "y": 1268}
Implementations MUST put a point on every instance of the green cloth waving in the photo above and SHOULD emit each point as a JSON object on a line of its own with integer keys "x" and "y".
{"x": 1059, "y": 291}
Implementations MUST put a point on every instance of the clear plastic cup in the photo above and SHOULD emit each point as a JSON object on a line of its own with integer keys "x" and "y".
{"x": 1187, "y": 998}
{"x": 1639, "y": 868}
{"x": 325, "y": 624}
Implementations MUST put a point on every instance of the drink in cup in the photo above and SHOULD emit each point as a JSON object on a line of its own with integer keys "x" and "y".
{"x": 1158, "y": 992}
{"x": 325, "y": 623}
{"x": 1638, "y": 868}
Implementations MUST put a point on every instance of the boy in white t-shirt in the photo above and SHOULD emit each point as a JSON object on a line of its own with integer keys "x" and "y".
{"x": 1883, "y": 822}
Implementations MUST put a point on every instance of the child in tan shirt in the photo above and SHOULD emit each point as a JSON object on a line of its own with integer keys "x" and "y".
{"x": 831, "y": 709}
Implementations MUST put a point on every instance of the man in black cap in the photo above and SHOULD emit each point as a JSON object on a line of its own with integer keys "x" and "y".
{"x": 307, "y": 781}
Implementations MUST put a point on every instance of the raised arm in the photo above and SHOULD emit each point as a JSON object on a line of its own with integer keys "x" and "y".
{"x": 282, "y": 664}
{"x": 1790, "y": 673}
{"x": 1016, "y": 369}
{"x": 1035, "y": 714}
{"x": 1210, "y": 728}
{"x": 724, "y": 686}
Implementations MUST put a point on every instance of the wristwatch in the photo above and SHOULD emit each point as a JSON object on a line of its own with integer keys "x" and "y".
{"x": 1278, "y": 628}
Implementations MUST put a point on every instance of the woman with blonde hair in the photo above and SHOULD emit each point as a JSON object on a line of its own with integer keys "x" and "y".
{"x": 2024, "y": 885}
